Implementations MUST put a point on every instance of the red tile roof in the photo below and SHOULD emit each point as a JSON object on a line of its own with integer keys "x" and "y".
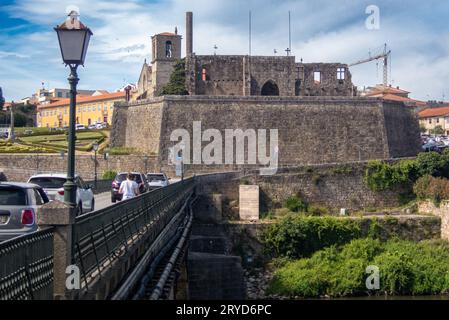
{"x": 434, "y": 112}
{"x": 167, "y": 34}
{"x": 403, "y": 99}
{"x": 84, "y": 99}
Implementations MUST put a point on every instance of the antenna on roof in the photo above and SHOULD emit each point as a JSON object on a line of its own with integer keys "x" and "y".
{"x": 249, "y": 33}
{"x": 289, "y": 35}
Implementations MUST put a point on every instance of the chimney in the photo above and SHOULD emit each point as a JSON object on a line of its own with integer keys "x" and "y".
{"x": 189, "y": 33}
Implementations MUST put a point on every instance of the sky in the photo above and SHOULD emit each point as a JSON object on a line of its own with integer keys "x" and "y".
{"x": 416, "y": 31}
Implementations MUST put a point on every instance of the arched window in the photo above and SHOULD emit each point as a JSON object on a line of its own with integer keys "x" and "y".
{"x": 270, "y": 88}
{"x": 168, "y": 49}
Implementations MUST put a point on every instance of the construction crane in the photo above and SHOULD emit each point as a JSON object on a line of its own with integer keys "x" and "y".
{"x": 385, "y": 55}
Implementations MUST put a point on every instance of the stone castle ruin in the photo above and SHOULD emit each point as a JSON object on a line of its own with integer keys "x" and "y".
{"x": 313, "y": 105}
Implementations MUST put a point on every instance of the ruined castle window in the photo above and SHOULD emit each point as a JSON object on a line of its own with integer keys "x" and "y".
{"x": 168, "y": 49}
{"x": 341, "y": 73}
{"x": 298, "y": 88}
{"x": 270, "y": 88}
{"x": 317, "y": 77}
{"x": 203, "y": 74}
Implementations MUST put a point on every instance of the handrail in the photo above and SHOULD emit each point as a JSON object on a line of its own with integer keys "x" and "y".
{"x": 26, "y": 266}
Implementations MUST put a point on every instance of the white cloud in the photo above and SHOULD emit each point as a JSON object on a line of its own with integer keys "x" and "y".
{"x": 322, "y": 30}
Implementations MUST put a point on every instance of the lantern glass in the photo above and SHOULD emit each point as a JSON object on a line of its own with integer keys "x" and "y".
{"x": 73, "y": 44}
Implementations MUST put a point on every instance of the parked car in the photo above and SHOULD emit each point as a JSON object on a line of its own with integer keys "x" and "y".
{"x": 92, "y": 127}
{"x": 101, "y": 126}
{"x": 157, "y": 180}
{"x": 120, "y": 177}
{"x": 80, "y": 127}
{"x": 53, "y": 185}
{"x": 19, "y": 205}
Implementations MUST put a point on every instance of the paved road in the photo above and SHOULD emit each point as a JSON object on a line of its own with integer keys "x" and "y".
{"x": 103, "y": 200}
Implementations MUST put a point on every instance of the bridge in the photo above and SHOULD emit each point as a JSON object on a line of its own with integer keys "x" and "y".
{"x": 135, "y": 249}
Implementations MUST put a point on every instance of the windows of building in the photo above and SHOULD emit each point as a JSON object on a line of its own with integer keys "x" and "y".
{"x": 341, "y": 73}
{"x": 59, "y": 94}
{"x": 438, "y": 120}
{"x": 84, "y": 108}
{"x": 317, "y": 77}
{"x": 94, "y": 108}
{"x": 88, "y": 108}
{"x": 430, "y": 121}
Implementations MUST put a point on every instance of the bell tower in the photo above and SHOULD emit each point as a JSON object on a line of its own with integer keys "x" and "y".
{"x": 166, "y": 50}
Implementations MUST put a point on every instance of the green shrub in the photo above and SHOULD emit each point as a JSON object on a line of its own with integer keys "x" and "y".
{"x": 177, "y": 82}
{"x": 109, "y": 175}
{"x": 297, "y": 236}
{"x": 121, "y": 151}
{"x": 295, "y": 204}
{"x": 318, "y": 211}
{"x": 406, "y": 268}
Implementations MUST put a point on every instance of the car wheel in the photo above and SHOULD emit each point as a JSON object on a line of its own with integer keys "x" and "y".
{"x": 92, "y": 206}
{"x": 113, "y": 200}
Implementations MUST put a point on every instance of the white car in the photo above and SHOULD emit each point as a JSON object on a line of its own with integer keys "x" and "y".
{"x": 157, "y": 180}
{"x": 53, "y": 185}
{"x": 100, "y": 126}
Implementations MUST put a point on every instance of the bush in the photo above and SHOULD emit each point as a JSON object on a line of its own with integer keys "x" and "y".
{"x": 296, "y": 236}
{"x": 109, "y": 175}
{"x": 406, "y": 268}
{"x": 295, "y": 204}
{"x": 430, "y": 188}
{"x": 121, "y": 151}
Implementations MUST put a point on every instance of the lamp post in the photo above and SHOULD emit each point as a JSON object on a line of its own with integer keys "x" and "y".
{"x": 95, "y": 147}
{"x": 73, "y": 37}
{"x": 145, "y": 161}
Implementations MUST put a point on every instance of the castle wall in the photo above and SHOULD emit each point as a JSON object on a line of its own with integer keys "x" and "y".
{"x": 330, "y": 85}
{"x": 311, "y": 130}
{"x": 246, "y": 75}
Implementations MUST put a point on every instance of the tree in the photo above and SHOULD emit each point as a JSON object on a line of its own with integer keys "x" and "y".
{"x": 177, "y": 83}
{"x": 2, "y": 100}
{"x": 438, "y": 130}
{"x": 422, "y": 129}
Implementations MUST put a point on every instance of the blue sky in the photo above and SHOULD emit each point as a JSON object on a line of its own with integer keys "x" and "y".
{"x": 322, "y": 31}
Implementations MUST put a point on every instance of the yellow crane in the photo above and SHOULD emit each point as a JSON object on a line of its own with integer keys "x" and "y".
{"x": 385, "y": 55}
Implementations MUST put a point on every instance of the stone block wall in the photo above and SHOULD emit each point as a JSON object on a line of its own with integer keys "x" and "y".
{"x": 442, "y": 211}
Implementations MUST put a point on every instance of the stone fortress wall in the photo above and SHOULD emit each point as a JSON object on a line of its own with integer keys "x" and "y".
{"x": 312, "y": 130}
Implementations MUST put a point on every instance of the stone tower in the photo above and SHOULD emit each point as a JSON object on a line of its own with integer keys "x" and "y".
{"x": 166, "y": 49}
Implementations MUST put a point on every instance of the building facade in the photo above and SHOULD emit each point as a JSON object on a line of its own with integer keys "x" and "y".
{"x": 89, "y": 110}
{"x": 431, "y": 118}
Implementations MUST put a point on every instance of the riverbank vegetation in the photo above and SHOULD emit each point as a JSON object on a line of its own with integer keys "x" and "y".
{"x": 406, "y": 268}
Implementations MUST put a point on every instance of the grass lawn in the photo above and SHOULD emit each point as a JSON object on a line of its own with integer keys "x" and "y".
{"x": 84, "y": 140}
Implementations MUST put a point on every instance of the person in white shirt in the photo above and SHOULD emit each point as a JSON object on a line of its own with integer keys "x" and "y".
{"x": 129, "y": 188}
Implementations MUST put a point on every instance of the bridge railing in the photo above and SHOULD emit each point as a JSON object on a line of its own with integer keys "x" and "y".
{"x": 101, "y": 236}
{"x": 26, "y": 267}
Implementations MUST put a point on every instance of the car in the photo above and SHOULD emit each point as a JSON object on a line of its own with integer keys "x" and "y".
{"x": 92, "y": 127}
{"x": 101, "y": 126}
{"x": 19, "y": 205}
{"x": 157, "y": 180}
{"x": 53, "y": 185}
{"x": 120, "y": 177}
{"x": 80, "y": 127}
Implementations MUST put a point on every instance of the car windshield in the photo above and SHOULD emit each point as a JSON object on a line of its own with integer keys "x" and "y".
{"x": 12, "y": 197}
{"x": 49, "y": 182}
{"x": 122, "y": 176}
{"x": 156, "y": 177}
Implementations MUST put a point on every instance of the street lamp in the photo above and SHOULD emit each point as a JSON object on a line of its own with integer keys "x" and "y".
{"x": 73, "y": 37}
{"x": 95, "y": 147}
{"x": 145, "y": 161}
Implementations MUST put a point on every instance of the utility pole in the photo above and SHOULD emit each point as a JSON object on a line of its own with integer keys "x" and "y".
{"x": 11, "y": 132}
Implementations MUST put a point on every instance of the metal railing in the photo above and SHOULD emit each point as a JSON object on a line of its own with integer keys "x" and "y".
{"x": 26, "y": 267}
{"x": 101, "y": 236}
